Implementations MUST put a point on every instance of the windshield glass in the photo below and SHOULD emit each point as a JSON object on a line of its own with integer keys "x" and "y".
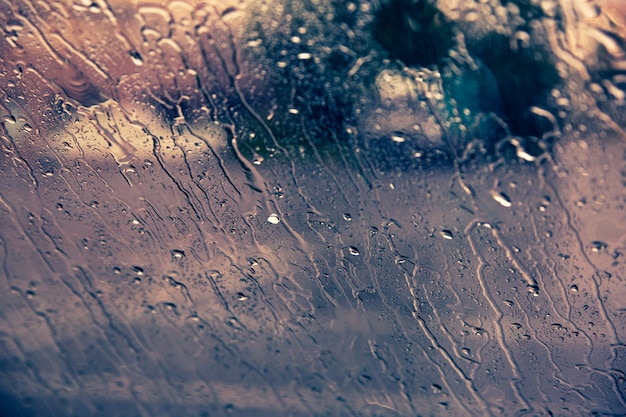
{"x": 319, "y": 207}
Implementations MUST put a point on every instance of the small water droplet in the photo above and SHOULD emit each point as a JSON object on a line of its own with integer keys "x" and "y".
{"x": 398, "y": 138}
{"x": 597, "y": 246}
{"x": 523, "y": 154}
{"x": 178, "y": 254}
{"x": 353, "y": 251}
{"x": 136, "y": 58}
{"x": 446, "y": 234}
{"x": 502, "y": 198}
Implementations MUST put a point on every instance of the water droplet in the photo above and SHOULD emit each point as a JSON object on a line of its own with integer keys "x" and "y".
{"x": 597, "y": 246}
{"x": 273, "y": 218}
{"x": 9, "y": 120}
{"x": 502, "y": 198}
{"x": 178, "y": 254}
{"x": 398, "y": 138}
{"x": 446, "y": 234}
{"x": 353, "y": 251}
{"x": 136, "y": 58}
{"x": 534, "y": 290}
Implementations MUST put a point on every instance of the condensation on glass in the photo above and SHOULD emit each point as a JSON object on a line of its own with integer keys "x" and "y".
{"x": 389, "y": 208}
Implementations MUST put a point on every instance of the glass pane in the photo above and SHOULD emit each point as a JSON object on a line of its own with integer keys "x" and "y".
{"x": 318, "y": 207}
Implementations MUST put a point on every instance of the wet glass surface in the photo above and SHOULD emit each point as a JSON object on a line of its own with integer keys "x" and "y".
{"x": 248, "y": 208}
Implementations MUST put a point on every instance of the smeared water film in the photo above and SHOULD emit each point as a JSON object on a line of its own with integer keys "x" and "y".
{"x": 307, "y": 208}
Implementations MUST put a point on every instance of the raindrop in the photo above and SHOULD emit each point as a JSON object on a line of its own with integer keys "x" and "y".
{"x": 136, "y": 58}
{"x": 501, "y": 198}
{"x": 398, "y": 138}
{"x": 446, "y": 234}
{"x": 597, "y": 246}
{"x": 273, "y": 219}
{"x": 178, "y": 254}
